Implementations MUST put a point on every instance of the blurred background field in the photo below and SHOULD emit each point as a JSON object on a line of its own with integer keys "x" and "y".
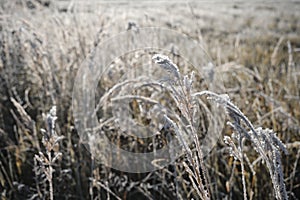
{"x": 255, "y": 45}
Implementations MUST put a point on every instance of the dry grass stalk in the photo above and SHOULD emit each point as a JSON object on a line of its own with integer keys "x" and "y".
{"x": 50, "y": 141}
{"x": 185, "y": 102}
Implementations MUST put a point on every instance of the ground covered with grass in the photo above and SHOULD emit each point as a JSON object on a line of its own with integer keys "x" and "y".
{"x": 255, "y": 48}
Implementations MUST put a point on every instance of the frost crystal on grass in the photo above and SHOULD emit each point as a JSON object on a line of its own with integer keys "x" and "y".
{"x": 166, "y": 64}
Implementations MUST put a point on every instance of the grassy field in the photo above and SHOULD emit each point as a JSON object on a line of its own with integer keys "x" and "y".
{"x": 255, "y": 51}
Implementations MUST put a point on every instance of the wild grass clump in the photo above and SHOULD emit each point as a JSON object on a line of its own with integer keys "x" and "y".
{"x": 264, "y": 141}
